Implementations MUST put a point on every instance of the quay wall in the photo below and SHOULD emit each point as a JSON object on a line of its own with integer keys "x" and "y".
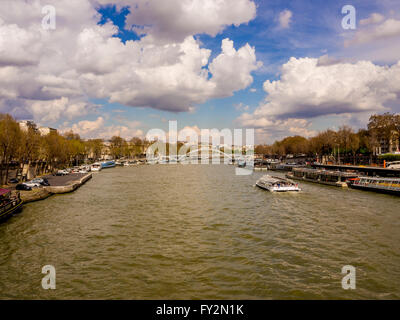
{"x": 45, "y": 192}
{"x": 72, "y": 186}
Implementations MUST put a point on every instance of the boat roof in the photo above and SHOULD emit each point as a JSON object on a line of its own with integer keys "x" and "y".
{"x": 271, "y": 179}
{"x": 327, "y": 172}
{"x": 4, "y": 191}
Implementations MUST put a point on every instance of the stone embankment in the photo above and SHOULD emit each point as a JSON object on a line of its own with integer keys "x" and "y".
{"x": 58, "y": 185}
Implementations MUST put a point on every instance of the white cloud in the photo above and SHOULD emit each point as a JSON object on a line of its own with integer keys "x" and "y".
{"x": 99, "y": 129}
{"x": 372, "y": 19}
{"x": 307, "y": 90}
{"x": 390, "y": 28}
{"x": 53, "y": 110}
{"x": 40, "y": 70}
{"x": 285, "y": 19}
{"x": 174, "y": 20}
{"x": 326, "y": 60}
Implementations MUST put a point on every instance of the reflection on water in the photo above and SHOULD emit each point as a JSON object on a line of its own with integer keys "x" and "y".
{"x": 201, "y": 232}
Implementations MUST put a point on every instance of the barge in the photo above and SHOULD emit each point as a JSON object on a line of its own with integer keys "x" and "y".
{"x": 332, "y": 178}
{"x": 376, "y": 184}
{"x": 10, "y": 203}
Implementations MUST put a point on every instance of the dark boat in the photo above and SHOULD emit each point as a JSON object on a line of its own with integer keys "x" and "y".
{"x": 376, "y": 184}
{"x": 10, "y": 203}
{"x": 328, "y": 177}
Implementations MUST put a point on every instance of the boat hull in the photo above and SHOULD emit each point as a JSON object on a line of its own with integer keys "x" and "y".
{"x": 7, "y": 213}
{"x": 327, "y": 183}
{"x": 108, "y": 165}
{"x": 377, "y": 190}
{"x": 276, "y": 190}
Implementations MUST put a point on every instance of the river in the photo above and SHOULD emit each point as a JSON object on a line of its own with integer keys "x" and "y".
{"x": 201, "y": 232}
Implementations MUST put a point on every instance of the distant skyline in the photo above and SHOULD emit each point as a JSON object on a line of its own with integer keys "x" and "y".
{"x": 124, "y": 67}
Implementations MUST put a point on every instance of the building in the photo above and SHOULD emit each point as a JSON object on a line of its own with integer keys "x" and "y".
{"x": 106, "y": 151}
{"x": 391, "y": 145}
{"x": 26, "y": 124}
{"x": 44, "y": 131}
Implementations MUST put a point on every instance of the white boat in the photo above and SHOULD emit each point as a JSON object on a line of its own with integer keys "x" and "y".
{"x": 95, "y": 167}
{"x": 376, "y": 184}
{"x": 393, "y": 165}
{"x": 276, "y": 184}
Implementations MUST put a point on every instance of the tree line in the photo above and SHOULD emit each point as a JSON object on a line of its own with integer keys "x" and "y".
{"x": 344, "y": 142}
{"x": 41, "y": 154}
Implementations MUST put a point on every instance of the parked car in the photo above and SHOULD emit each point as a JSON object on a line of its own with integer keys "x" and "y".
{"x": 23, "y": 187}
{"x": 13, "y": 180}
{"x": 42, "y": 181}
{"x": 32, "y": 184}
{"x": 62, "y": 173}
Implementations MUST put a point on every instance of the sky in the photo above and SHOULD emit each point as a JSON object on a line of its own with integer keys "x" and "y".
{"x": 125, "y": 67}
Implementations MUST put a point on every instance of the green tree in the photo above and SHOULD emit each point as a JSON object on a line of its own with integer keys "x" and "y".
{"x": 10, "y": 141}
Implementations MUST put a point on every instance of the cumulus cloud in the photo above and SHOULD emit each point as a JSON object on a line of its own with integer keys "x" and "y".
{"x": 372, "y": 19}
{"x": 98, "y": 129}
{"x": 174, "y": 20}
{"x": 42, "y": 71}
{"x": 285, "y": 18}
{"x": 326, "y": 60}
{"x": 270, "y": 128}
{"x": 374, "y": 31}
{"x": 307, "y": 90}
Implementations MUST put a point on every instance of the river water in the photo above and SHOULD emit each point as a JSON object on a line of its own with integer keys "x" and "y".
{"x": 201, "y": 232}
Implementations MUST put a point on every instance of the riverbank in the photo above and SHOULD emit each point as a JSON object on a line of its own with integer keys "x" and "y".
{"x": 58, "y": 185}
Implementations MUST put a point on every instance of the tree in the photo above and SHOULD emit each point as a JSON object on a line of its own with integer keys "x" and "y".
{"x": 56, "y": 150}
{"x": 94, "y": 148}
{"x": 75, "y": 147}
{"x": 29, "y": 148}
{"x": 10, "y": 139}
{"x": 117, "y": 147}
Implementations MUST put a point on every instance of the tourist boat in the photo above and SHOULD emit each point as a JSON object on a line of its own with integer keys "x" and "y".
{"x": 108, "y": 164}
{"x": 393, "y": 165}
{"x": 276, "y": 184}
{"x": 96, "y": 167}
{"x": 376, "y": 184}
{"x": 332, "y": 178}
{"x": 10, "y": 203}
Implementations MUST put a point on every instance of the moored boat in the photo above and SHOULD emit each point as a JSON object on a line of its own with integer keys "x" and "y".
{"x": 95, "y": 167}
{"x": 108, "y": 164}
{"x": 10, "y": 203}
{"x": 277, "y": 184}
{"x": 332, "y": 178}
{"x": 376, "y": 184}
